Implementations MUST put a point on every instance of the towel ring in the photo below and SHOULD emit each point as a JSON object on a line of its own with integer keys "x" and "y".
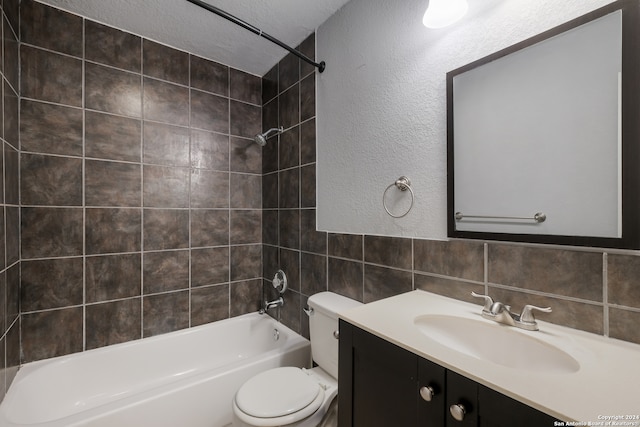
{"x": 403, "y": 184}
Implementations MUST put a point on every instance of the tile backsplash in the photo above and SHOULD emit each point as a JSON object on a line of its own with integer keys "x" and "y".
{"x": 591, "y": 290}
{"x": 136, "y": 203}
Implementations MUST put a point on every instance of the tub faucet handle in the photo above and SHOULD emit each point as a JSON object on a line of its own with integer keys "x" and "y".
{"x": 488, "y": 301}
{"x": 279, "y": 281}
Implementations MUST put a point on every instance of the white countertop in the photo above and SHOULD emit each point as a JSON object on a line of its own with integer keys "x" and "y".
{"x": 606, "y": 385}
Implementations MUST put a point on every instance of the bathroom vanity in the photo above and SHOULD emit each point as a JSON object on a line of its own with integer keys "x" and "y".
{"x": 408, "y": 361}
{"x": 393, "y": 386}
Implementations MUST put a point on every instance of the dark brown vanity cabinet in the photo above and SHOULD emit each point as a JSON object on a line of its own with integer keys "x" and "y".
{"x": 383, "y": 385}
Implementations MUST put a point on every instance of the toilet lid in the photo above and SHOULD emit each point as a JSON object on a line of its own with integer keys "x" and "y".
{"x": 277, "y": 392}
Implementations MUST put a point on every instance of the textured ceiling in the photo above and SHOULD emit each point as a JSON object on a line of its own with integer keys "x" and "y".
{"x": 185, "y": 26}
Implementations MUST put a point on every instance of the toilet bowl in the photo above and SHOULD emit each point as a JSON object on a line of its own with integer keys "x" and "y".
{"x": 289, "y": 396}
{"x": 295, "y": 397}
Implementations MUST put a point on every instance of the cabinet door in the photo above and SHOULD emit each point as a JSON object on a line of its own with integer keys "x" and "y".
{"x": 463, "y": 393}
{"x": 345, "y": 375}
{"x": 384, "y": 388}
{"x": 380, "y": 386}
{"x": 498, "y": 410}
{"x": 431, "y": 387}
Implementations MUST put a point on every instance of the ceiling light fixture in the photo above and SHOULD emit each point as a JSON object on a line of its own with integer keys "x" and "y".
{"x": 441, "y": 13}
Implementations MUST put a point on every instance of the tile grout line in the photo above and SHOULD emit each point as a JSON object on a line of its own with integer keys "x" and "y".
{"x": 19, "y": 210}
{"x": 228, "y": 184}
{"x": 361, "y": 261}
{"x": 190, "y": 294}
{"x": 84, "y": 196}
{"x": 485, "y": 260}
{"x": 413, "y": 267}
{"x": 605, "y": 294}
{"x": 141, "y": 158}
{"x": 6, "y": 328}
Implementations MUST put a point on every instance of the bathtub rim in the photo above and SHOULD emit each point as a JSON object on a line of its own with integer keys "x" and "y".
{"x": 161, "y": 337}
{"x": 293, "y": 345}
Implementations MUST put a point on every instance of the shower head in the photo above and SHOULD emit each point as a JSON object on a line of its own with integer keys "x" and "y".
{"x": 261, "y": 139}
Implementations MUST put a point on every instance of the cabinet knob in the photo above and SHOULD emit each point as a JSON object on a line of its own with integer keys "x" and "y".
{"x": 458, "y": 412}
{"x": 427, "y": 393}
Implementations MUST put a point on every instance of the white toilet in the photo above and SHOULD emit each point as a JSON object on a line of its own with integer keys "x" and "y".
{"x": 295, "y": 397}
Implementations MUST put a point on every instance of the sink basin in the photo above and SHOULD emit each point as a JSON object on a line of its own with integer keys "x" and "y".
{"x": 496, "y": 343}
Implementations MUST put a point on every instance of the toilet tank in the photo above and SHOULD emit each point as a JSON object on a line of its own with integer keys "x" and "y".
{"x": 323, "y": 322}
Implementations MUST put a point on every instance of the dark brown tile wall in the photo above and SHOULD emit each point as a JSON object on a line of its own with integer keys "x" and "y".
{"x": 44, "y": 295}
{"x": 140, "y": 191}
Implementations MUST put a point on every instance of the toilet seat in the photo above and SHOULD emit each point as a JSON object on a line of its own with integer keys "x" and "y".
{"x": 278, "y": 396}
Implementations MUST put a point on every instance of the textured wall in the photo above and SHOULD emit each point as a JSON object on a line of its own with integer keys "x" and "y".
{"x": 382, "y": 106}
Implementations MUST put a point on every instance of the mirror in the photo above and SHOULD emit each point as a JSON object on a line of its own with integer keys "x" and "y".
{"x": 542, "y": 136}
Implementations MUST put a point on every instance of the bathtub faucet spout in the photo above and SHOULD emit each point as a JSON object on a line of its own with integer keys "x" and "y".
{"x": 268, "y": 305}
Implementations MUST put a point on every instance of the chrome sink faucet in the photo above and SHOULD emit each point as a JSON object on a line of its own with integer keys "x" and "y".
{"x": 501, "y": 313}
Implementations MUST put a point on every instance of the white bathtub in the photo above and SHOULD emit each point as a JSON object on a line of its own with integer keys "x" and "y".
{"x": 181, "y": 379}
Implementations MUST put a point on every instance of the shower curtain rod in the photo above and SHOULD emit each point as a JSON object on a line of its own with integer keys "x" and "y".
{"x": 320, "y": 65}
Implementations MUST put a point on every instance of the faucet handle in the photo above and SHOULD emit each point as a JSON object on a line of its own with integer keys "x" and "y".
{"x": 488, "y": 301}
{"x": 280, "y": 281}
{"x": 527, "y": 313}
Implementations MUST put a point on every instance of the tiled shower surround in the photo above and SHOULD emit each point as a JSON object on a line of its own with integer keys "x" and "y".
{"x": 146, "y": 207}
{"x": 140, "y": 186}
